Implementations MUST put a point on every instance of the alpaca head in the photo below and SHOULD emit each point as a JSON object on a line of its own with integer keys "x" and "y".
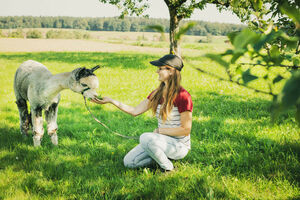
{"x": 85, "y": 82}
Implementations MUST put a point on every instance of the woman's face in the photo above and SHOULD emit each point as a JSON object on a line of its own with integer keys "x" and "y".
{"x": 164, "y": 73}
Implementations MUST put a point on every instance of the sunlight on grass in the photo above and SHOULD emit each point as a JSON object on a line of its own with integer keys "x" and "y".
{"x": 201, "y": 119}
{"x": 237, "y": 153}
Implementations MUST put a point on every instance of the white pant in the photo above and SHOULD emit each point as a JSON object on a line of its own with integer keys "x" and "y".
{"x": 157, "y": 147}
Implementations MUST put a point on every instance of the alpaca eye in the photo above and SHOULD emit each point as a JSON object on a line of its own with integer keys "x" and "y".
{"x": 83, "y": 85}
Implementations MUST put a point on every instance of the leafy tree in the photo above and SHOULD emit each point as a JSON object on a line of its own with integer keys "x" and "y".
{"x": 134, "y": 27}
{"x": 271, "y": 45}
{"x": 96, "y": 24}
{"x": 67, "y": 22}
{"x": 178, "y": 10}
{"x": 125, "y": 26}
{"x": 80, "y": 23}
{"x": 106, "y": 24}
{"x": 16, "y": 34}
{"x": 34, "y": 34}
{"x": 57, "y": 24}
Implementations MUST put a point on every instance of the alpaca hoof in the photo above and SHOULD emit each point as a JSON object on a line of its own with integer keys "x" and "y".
{"x": 24, "y": 131}
{"x": 36, "y": 141}
{"x": 54, "y": 139}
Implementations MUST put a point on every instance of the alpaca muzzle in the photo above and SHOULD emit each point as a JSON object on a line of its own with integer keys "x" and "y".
{"x": 86, "y": 89}
{"x": 89, "y": 93}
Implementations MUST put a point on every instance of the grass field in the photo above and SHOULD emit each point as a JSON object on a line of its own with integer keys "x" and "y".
{"x": 236, "y": 152}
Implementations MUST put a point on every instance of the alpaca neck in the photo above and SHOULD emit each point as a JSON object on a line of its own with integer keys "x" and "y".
{"x": 57, "y": 83}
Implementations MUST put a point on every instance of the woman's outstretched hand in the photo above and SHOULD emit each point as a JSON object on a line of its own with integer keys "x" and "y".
{"x": 104, "y": 100}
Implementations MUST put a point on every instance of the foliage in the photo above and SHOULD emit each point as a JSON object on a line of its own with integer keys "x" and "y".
{"x": 159, "y": 29}
{"x": 16, "y": 34}
{"x": 178, "y": 10}
{"x": 132, "y": 24}
{"x": 34, "y": 34}
{"x": 271, "y": 47}
{"x": 182, "y": 30}
{"x": 260, "y": 13}
{"x": 129, "y": 7}
{"x": 59, "y": 34}
{"x": 235, "y": 153}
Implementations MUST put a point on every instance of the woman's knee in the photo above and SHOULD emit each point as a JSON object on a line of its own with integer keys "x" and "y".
{"x": 128, "y": 161}
{"x": 147, "y": 138}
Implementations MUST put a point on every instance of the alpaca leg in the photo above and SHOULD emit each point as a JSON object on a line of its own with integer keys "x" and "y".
{"x": 51, "y": 118}
{"x": 25, "y": 120}
{"x": 37, "y": 123}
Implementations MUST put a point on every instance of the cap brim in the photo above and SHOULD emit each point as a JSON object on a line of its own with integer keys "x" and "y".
{"x": 157, "y": 63}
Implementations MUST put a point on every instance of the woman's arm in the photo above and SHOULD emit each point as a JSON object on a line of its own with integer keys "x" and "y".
{"x": 134, "y": 111}
{"x": 183, "y": 130}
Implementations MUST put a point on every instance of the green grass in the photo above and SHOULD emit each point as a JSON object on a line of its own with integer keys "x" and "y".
{"x": 236, "y": 152}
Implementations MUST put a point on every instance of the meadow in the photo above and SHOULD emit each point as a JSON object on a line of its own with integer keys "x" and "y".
{"x": 237, "y": 153}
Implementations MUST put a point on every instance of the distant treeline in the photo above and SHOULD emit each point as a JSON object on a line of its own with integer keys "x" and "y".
{"x": 132, "y": 24}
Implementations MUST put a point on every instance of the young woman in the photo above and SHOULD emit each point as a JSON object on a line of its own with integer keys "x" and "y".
{"x": 173, "y": 107}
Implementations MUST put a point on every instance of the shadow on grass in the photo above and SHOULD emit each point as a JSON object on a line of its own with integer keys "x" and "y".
{"x": 124, "y": 60}
{"x": 89, "y": 160}
{"x": 227, "y": 136}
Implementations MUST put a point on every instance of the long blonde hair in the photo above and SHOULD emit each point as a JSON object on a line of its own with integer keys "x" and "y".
{"x": 166, "y": 95}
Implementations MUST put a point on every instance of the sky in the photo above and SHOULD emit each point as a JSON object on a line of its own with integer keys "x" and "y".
{"x": 93, "y": 8}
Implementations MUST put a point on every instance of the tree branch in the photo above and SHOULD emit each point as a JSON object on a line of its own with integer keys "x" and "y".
{"x": 230, "y": 80}
{"x": 179, "y": 3}
{"x": 175, "y": 4}
{"x": 255, "y": 64}
{"x": 167, "y": 2}
{"x": 297, "y": 49}
{"x": 216, "y": 2}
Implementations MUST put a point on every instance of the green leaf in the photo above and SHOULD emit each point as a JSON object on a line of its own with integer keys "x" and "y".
{"x": 297, "y": 115}
{"x": 291, "y": 42}
{"x": 277, "y": 79}
{"x": 290, "y": 11}
{"x": 239, "y": 70}
{"x": 232, "y": 35}
{"x": 244, "y": 38}
{"x": 218, "y": 59}
{"x": 99, "y": 97}
{"x": 236, "y": 56}
{"x": 290, "y": 93}
{"x": 157, "y": 28}
{"x": 266, "y": 39}
{"x": 275, "y": 55}
{"x": 248, "y": 77}
{"x": 227, "y": 52}
{"x": 296, "y": 61}
{"x": 274, "y": 51}
{"x": 235, "y": 3}
{"x": 257, "y": 4}
{"x": 288, "y": 97}
{"x": 184, "y": 29}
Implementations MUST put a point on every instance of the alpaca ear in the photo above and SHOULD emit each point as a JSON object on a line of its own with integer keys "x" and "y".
{"x": 79, "y": 73}
{"x": 95, "y": 68}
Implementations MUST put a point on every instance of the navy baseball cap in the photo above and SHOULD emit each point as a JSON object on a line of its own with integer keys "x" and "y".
{"x": 170, "y": 60}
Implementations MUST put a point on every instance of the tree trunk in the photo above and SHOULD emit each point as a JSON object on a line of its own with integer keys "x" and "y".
{"x": 174, "y": 28}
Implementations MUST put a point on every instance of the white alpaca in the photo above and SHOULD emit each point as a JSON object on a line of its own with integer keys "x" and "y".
{"x": 34, "y": 83}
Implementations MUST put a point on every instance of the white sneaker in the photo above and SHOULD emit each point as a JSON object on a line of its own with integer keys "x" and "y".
{"x": 36, "y": 141}
{"x": 54, "y": 139}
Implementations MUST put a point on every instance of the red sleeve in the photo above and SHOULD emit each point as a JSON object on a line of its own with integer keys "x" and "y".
{"x": 184, "y": 101}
